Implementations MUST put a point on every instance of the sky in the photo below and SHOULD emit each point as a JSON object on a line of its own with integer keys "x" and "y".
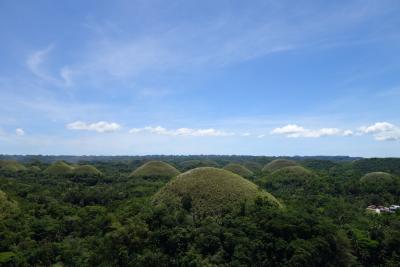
{"x": 146, "y": 77}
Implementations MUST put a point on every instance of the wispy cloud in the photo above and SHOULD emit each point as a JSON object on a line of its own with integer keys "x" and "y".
{"x": 101, "y": 126}
{"x": 19, "y": 132}
{"x": 35, "y": 64}
{"x": 222, "y": 39}
{"x": 180, "y": 131}
{"x": 378, "y": 127}
{"x": 382, "y": 131}
{"x": 295, "y": 131}
{"x": 35, "y": 61}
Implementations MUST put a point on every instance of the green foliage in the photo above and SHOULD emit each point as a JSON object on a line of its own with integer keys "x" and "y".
{"x": 7, "y": 206}
{"x": 11, "y": 166}
{"x": 292, "y": 179}
{"x": 34, "y": 169}
{"x": 253, "y": 166}
{"x": 86, "y": 170}
{"x": 390, "y": 165}
{"x": 6, "y": 256}
{"x": 377, "y": 182}
{"x": 277, "y": 164}
{"x": 239, "y": 170}
{"x": 59, "y": 168}
{"x": 111, "y": 220}
{"x": 192, "y": 164}
{"x": 155, "y": 169}
{"x": 212, "y": 191}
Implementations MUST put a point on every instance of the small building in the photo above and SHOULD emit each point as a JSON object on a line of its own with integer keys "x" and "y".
{"x": 382, "y": 209}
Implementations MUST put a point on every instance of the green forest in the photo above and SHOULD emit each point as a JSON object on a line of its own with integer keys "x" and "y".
{"x": 199, "y": 211}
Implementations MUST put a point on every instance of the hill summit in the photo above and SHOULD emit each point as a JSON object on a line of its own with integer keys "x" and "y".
{"x": 11, "y": 166}
{"x": 155, "y": 169}
{"x": 277, "y": 164}
{"x": 210, "y": 191}
{"x": 86, "y": 170}
{"x": 376, "y": 182}
{"x": 59, "y": 168}
{"x": 239, "y": 170}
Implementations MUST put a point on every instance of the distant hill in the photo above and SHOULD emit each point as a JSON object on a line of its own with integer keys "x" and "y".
{"x": 59, "y": 168}
{"x": 390, "y": 165}
{"x": 376, "y": 182}
{"x": 155, "y": 169}
{"x": 195, "y": 163}
{"x": 278, "y": 164}
{"x": 11, "y": 166}
{"x": 239, "y": 170}
{"x": 219, "y": 159}
{"x": 86, "y": 170}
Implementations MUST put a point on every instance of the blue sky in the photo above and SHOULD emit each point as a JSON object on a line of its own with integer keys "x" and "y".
{"x": 200, "y": 77}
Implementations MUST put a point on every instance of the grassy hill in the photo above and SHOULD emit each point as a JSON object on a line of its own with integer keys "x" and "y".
{"x": 34, "y": 169}
{"x": 291, "y": 174}
{"x": 277, "y": 164}
{"x": 377, "y": 182}
{"x": 191, "y": 164}
{"x": 155, "y": 169}
{"x": 390, "y": 165}
{"x": 59, "y": 168}
{"x": 291, "y": 180}
{"x": 253, "y": 166}
{"x": 211, "y": 191}
{"x": 11, "y": 166}
{"x": 86, "y": 170}
{"x": 239, "y": 170}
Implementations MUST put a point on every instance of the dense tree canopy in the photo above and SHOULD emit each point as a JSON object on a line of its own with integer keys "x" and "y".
{"x": 111, "y": 219}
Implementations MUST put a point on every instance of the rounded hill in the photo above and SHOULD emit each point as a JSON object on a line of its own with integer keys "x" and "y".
{"x": 291, "y": 180}
{"x": 155, "y": 169}
{"x": 292, "y": 174}
{"x": 194, "y": 163}
{"x": 377, "y": 181}
{"x": 86, "y": 170}
{"x": 34, "y": 169}
{"x": 278, "y": 164}
{"x": 59, "y": 168}
{"x": 239, "y": 170}
{"x": 210, "y": 191}
{"x": 11, "y": 166}
{"x": 253, "y": 166}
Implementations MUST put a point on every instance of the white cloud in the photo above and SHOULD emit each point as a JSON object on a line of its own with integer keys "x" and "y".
{"x": 101, "y": 126}
{"x": 388, "y": 136}
{"x": 294, "y": 131}
{"x": 246, "y": 134}
{"x": 181, "y": 131}
{"x": 19, "y": 132}
{"x": 261, "y": 136}
{"x": 377, "y": 127}
{"x": 382, "y": 131}
{"x": 348, "y": 133}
